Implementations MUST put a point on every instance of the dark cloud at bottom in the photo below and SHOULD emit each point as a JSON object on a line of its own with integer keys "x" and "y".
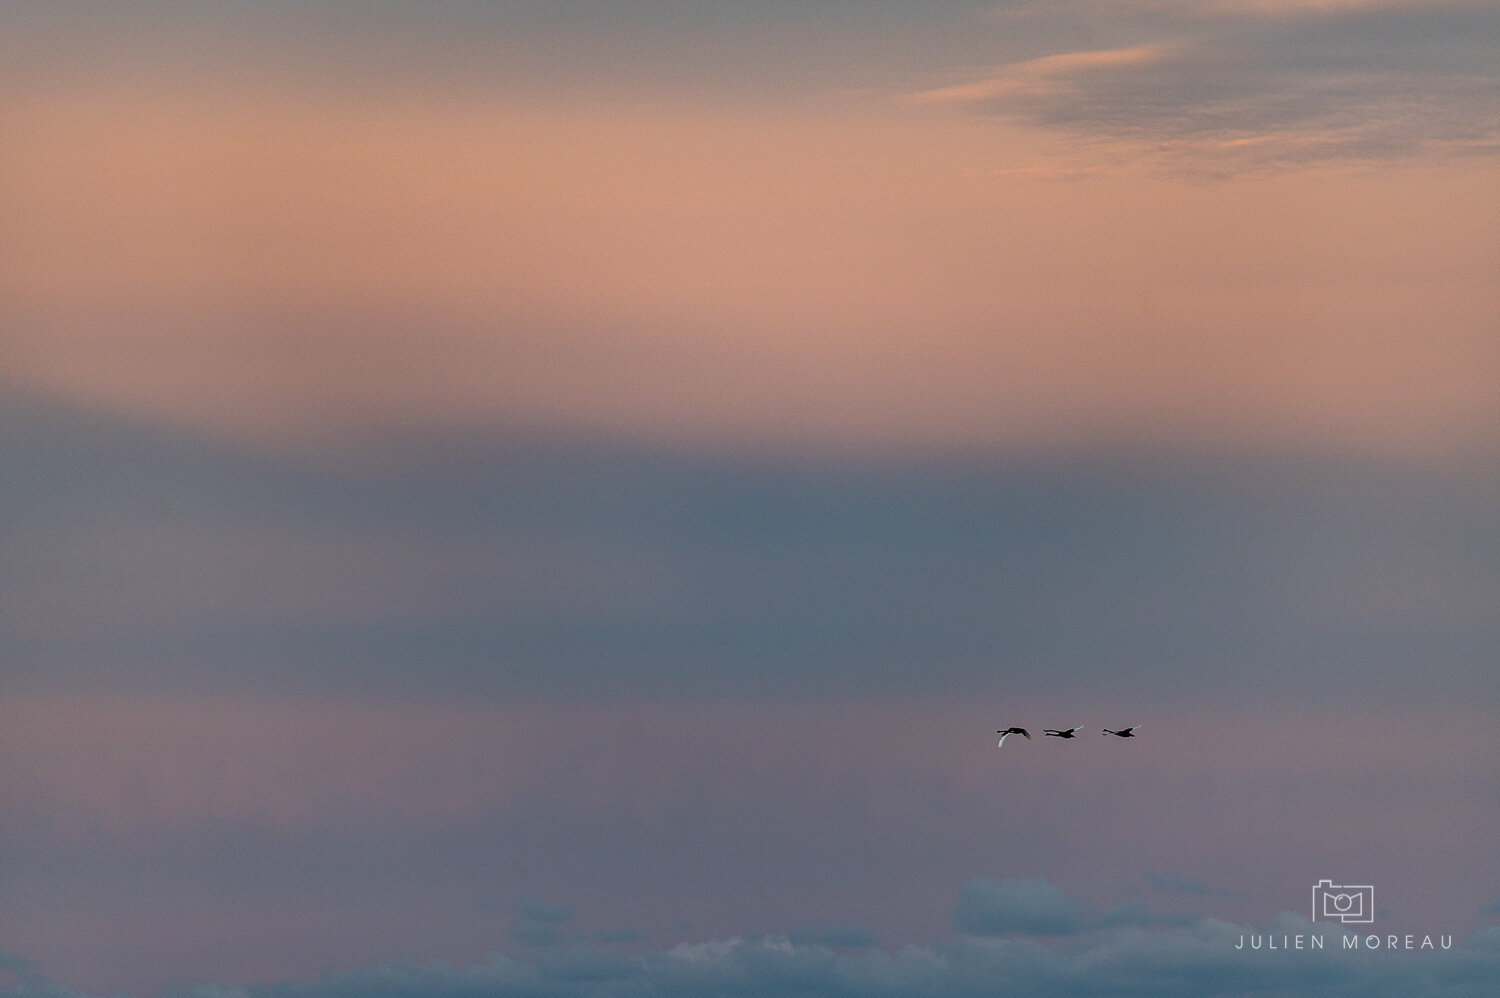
{"x": 1289, "y": 955}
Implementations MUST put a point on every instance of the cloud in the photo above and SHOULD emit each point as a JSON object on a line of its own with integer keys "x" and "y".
{"x": 534, "y": 933}
{"x": 1130, "y": 913}
{"x": 539, "y": 924}
{"x": 1169, "y": 883}
{"x": 832, "y": 936}
{"x": 624, "y": 934}
{"x": 1207, "y": 958}
{"x": 514, "y": 563}
{"x": 1039, "y": 907}
{"x": 990, "y": 908}
{"x": 1245, "y": 85}
{"x": 544, "y": 911}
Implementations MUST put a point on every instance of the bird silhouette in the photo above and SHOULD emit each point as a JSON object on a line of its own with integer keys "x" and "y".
{"x": 1064, "y": 733}
{"x": 1013, "y": 731}
{"x": 1123, "y": 732}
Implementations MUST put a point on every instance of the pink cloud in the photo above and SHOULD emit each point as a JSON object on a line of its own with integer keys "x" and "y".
{"x": 292, "y": 268}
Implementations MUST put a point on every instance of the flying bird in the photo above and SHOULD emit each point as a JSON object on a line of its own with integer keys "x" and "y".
{"x": 1065, "y": 733}
{"x": 1013, "y": 731}
{"x": 1123, "y": 732}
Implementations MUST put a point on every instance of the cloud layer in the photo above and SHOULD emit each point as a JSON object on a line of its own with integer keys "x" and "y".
{"x": 1205, "y": 959}
{"x": 1233, "y": 86}
{"x": 300, "y": 265}
{"x": 492, "y": 565}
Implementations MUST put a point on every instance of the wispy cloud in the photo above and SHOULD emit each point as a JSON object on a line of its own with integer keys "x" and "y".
{"x": 1034, "y": 75}
{"x": 1248, "y": 84}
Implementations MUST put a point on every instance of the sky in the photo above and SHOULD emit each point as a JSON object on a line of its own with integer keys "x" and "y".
{"x": 556, "y": 498}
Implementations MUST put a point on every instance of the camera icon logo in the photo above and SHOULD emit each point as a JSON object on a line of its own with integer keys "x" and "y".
{"x": 1347, "y": 904}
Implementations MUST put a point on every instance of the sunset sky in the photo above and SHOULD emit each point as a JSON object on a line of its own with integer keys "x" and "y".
{"x": 556, "y": 497}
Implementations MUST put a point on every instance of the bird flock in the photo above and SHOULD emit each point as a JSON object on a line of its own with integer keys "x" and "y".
{"x": 1005, "y": 733}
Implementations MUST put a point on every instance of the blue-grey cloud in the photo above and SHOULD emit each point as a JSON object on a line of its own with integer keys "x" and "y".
{"x": 991, "y": 908}
{"x": 540, "y": 923}
{"x": 533, "y": 933}
{"x": 620, "y": 935}
{"x": 1171, "y": 883}
{"x": 545, "y": 911}
{"x": 15, "y": 964}
{"x": 1242, "y": 85}
{"x": 1130, "y": 913}
{"x": 1208, "y": 958}
{"x": 486, "y": 567}
{"x": 832, "y": 936}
